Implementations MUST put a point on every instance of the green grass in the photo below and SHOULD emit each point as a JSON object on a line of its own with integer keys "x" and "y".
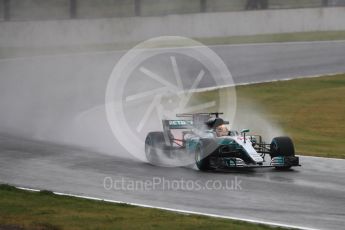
{"x": 310, "y": 110}
{"x": 284, "y": 37}
{"x": 44, "y": 210}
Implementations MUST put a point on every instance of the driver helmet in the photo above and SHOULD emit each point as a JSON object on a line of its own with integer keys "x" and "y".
{"x": 222, "y": 130}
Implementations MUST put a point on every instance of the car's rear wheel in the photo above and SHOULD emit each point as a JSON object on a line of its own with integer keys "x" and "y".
{"x": 154, "y": 143}
{"x": 282, "y": 146}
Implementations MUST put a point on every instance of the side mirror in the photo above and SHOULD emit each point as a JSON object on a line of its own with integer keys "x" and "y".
{"x": 245, "y": 131}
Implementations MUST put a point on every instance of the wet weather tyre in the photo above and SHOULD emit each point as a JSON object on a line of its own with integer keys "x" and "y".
{"x": 202, "y": 162}
{"x": 154, "y": 141}
{"x": 282, "y": 146}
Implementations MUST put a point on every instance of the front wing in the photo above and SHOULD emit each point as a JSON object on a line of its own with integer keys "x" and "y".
{"x": 280, "y": 161}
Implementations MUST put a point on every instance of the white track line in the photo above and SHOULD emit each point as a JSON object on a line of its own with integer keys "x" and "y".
{"x": 178, "y": 210}
{"x": 323, "y": 158}
{"x": 259, "y": 82}
{"x": 283, "y": 43}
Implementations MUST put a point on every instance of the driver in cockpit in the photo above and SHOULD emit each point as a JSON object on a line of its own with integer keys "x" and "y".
{"x": 222, "y": 130}
{"x": 218, "y": 125}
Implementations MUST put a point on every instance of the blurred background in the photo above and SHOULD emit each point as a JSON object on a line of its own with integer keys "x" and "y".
{"x": 14, "y": 10}
{"x": 56, "y": 56}
{"x": 32, "y": 27}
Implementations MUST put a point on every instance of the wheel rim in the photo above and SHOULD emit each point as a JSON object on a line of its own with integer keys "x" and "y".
{"x": 275, "y": 146}
{"x": 198, "y": 156}
{"x": 274, "y": 149}
{"x": 148, "y": 150}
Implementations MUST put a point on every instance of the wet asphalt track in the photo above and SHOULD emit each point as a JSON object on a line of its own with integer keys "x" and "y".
{"x": 246, "y": 62}
{"x": 309, "y": 196}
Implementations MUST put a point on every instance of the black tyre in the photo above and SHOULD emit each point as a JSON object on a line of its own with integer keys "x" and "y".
{"x": 202, "y": 162}
{"x": 203, "y": 152}
{"x": 154, "y": 142}
{"x": 282, "y": 146}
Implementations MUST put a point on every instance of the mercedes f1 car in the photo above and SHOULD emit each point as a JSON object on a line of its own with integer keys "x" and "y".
{"x": 201, "y": 136}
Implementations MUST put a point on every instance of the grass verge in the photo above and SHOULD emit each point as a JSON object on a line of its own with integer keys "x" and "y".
{"x": 284, "y": 37}
{"x": 46, "y": 211}
{"x": 310, "y": 110}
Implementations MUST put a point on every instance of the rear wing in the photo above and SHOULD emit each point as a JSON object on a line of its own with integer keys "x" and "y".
{"x": 193, "y": 121}
{"x": 177, "y": 124}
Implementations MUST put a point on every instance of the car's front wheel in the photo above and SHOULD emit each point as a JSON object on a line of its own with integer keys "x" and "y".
{"x": 282, "y": 146}
{"x": 202, "y": 162}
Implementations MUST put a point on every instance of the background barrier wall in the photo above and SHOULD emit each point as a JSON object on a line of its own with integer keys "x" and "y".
{"x": 38, "y": 9}
{"x": 1, "y": 10}
{"x": 105, "y": 8}
{"x": 19, "y": 10}
{"x": 64, "y": 33}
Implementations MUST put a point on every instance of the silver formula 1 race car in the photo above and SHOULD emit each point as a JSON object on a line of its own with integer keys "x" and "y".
{"x": 204, "y": 137}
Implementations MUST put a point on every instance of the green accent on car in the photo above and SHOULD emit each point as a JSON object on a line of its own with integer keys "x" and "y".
{"x": 230, "y": 162}
{"x": 191, "y": 144}
{"x": 280, "y": 160}
{"x": 225, "y": 141}
{"x": 177, "y": 124}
